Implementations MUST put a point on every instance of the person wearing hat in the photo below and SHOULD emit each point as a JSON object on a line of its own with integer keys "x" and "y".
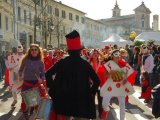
{"x": 117, "y": 84}
{"x": 107, "y": 49}
{"x": 75, "y": 83}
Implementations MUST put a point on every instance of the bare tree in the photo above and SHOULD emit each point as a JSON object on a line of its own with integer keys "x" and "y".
{"x": 58, "y": 26}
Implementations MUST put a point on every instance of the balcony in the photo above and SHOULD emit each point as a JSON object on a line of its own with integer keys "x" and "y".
{"x": 6, "y": 6}
{"x": 1, "y": 35}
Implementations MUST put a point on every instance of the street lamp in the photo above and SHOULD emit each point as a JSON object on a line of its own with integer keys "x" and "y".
{"x": 50, "y": 28}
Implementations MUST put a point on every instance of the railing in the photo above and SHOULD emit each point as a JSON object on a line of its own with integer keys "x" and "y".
{"x": 7, "y": 6}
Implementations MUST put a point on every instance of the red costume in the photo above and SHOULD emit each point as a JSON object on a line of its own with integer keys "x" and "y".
{"x": 47, "y": 63}
{"x": 146, "y": 90}
{"x": 101, "y": 74}
{"x": 7, "y": 77}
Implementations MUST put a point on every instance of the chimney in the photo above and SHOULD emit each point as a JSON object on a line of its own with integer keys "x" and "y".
{"x": 155, "y": 23}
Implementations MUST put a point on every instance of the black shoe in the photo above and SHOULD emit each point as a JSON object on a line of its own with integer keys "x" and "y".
{"x": 140, "y": 97}
{"x": 31, "y": 111}
{"x": 146, "y": 101}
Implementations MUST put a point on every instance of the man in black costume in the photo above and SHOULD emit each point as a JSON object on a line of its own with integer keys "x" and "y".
{"x": 156, "y": 101}
{"x": 75, "y": 83}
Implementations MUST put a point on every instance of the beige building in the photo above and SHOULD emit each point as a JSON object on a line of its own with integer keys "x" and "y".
{"x": 6, "y": 24}
{"x": 54, "y": 20}
{"x": 64, "y": 19}
{"x": 94, "y": 33}
{"x": 155, "y": 23}
{"x": 25, "y": 12}
{"x": 123, "y": 25}
{"x": 18, "y": 28}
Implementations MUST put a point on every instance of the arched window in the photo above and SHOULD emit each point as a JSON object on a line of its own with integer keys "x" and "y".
{"x": 142, "y": 21}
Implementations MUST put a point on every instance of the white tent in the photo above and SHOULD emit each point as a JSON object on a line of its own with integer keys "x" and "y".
{"x": 115, "y": 39}
{"x": 146, "y": 36}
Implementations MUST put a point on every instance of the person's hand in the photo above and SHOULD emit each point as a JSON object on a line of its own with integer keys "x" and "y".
{"x": 20, "y": 79}
{"x": 10, "y": 69}
{"x": 53, "y": 77}
{"x": 38, "y": 78}
{"x": 124, "y": 81}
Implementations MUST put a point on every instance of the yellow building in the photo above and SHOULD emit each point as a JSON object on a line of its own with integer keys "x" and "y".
{"x": 6, "y": 24}
{"x": 25, "y": 22}
{"x": 64, "y": 19}
{"x": 54, "y": 21}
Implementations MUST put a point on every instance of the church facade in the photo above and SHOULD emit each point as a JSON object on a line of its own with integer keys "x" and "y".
{"x": 138, "y": 22}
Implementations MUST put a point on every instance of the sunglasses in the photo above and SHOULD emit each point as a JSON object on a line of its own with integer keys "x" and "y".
{"x": 144, "y": 47}
{"x": 34, "y": 49}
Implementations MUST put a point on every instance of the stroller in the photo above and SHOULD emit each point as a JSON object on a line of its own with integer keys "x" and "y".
{"x": 156, "y": 101}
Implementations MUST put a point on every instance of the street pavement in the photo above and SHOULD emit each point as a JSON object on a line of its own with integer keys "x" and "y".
{"x": 136, "y": 109}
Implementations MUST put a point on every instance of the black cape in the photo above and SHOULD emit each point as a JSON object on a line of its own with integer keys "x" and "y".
{"x": 74, "y": 87}
{"x": 156, "y": 101}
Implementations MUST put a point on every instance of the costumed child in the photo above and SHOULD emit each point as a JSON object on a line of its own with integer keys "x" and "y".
{"x": 7, "y": 70}
{"x": 146, "y": 89}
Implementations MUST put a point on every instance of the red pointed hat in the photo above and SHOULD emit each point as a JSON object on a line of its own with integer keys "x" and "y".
{"x": 73, "y": 41}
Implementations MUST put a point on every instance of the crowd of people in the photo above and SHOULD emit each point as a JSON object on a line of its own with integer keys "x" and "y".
{"x": 72, "y": 77}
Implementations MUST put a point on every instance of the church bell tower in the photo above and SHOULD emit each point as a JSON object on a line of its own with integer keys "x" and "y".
{"x": 116, "y": 10}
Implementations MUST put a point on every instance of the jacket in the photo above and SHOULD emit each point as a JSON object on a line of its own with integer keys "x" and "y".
{"x": 73, "y": 88}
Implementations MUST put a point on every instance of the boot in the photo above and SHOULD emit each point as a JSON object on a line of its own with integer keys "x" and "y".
{"x": 104, "y": 115}
{"x": 146, "y": 100}
{"x": 14, "y": 103}
{"x": 26, "y": 116}
{"x": 140, "y": 97}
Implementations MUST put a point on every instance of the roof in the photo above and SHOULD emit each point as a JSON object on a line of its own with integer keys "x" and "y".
{"x": 97, "y": 21}
{"x": 69, "y": 6}
{"x": 115, "y": 38}
{"x": 118, "y": 18}
{"x": 146, "y": 36}
{"x": 142, "y": 8}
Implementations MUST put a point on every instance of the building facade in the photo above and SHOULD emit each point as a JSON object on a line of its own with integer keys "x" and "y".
{"x": 48, "y": 21}
{"x": 6, "y": 24}
{"x": 123, "y": 25}
{"x": 64, "y": 19}
{"x": 94, "y": 33}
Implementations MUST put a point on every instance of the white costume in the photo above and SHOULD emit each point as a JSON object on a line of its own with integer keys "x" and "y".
{"x": 116, "y": 89}
{"x": 13, "y": 64}
{"x": 148, "y": 63}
